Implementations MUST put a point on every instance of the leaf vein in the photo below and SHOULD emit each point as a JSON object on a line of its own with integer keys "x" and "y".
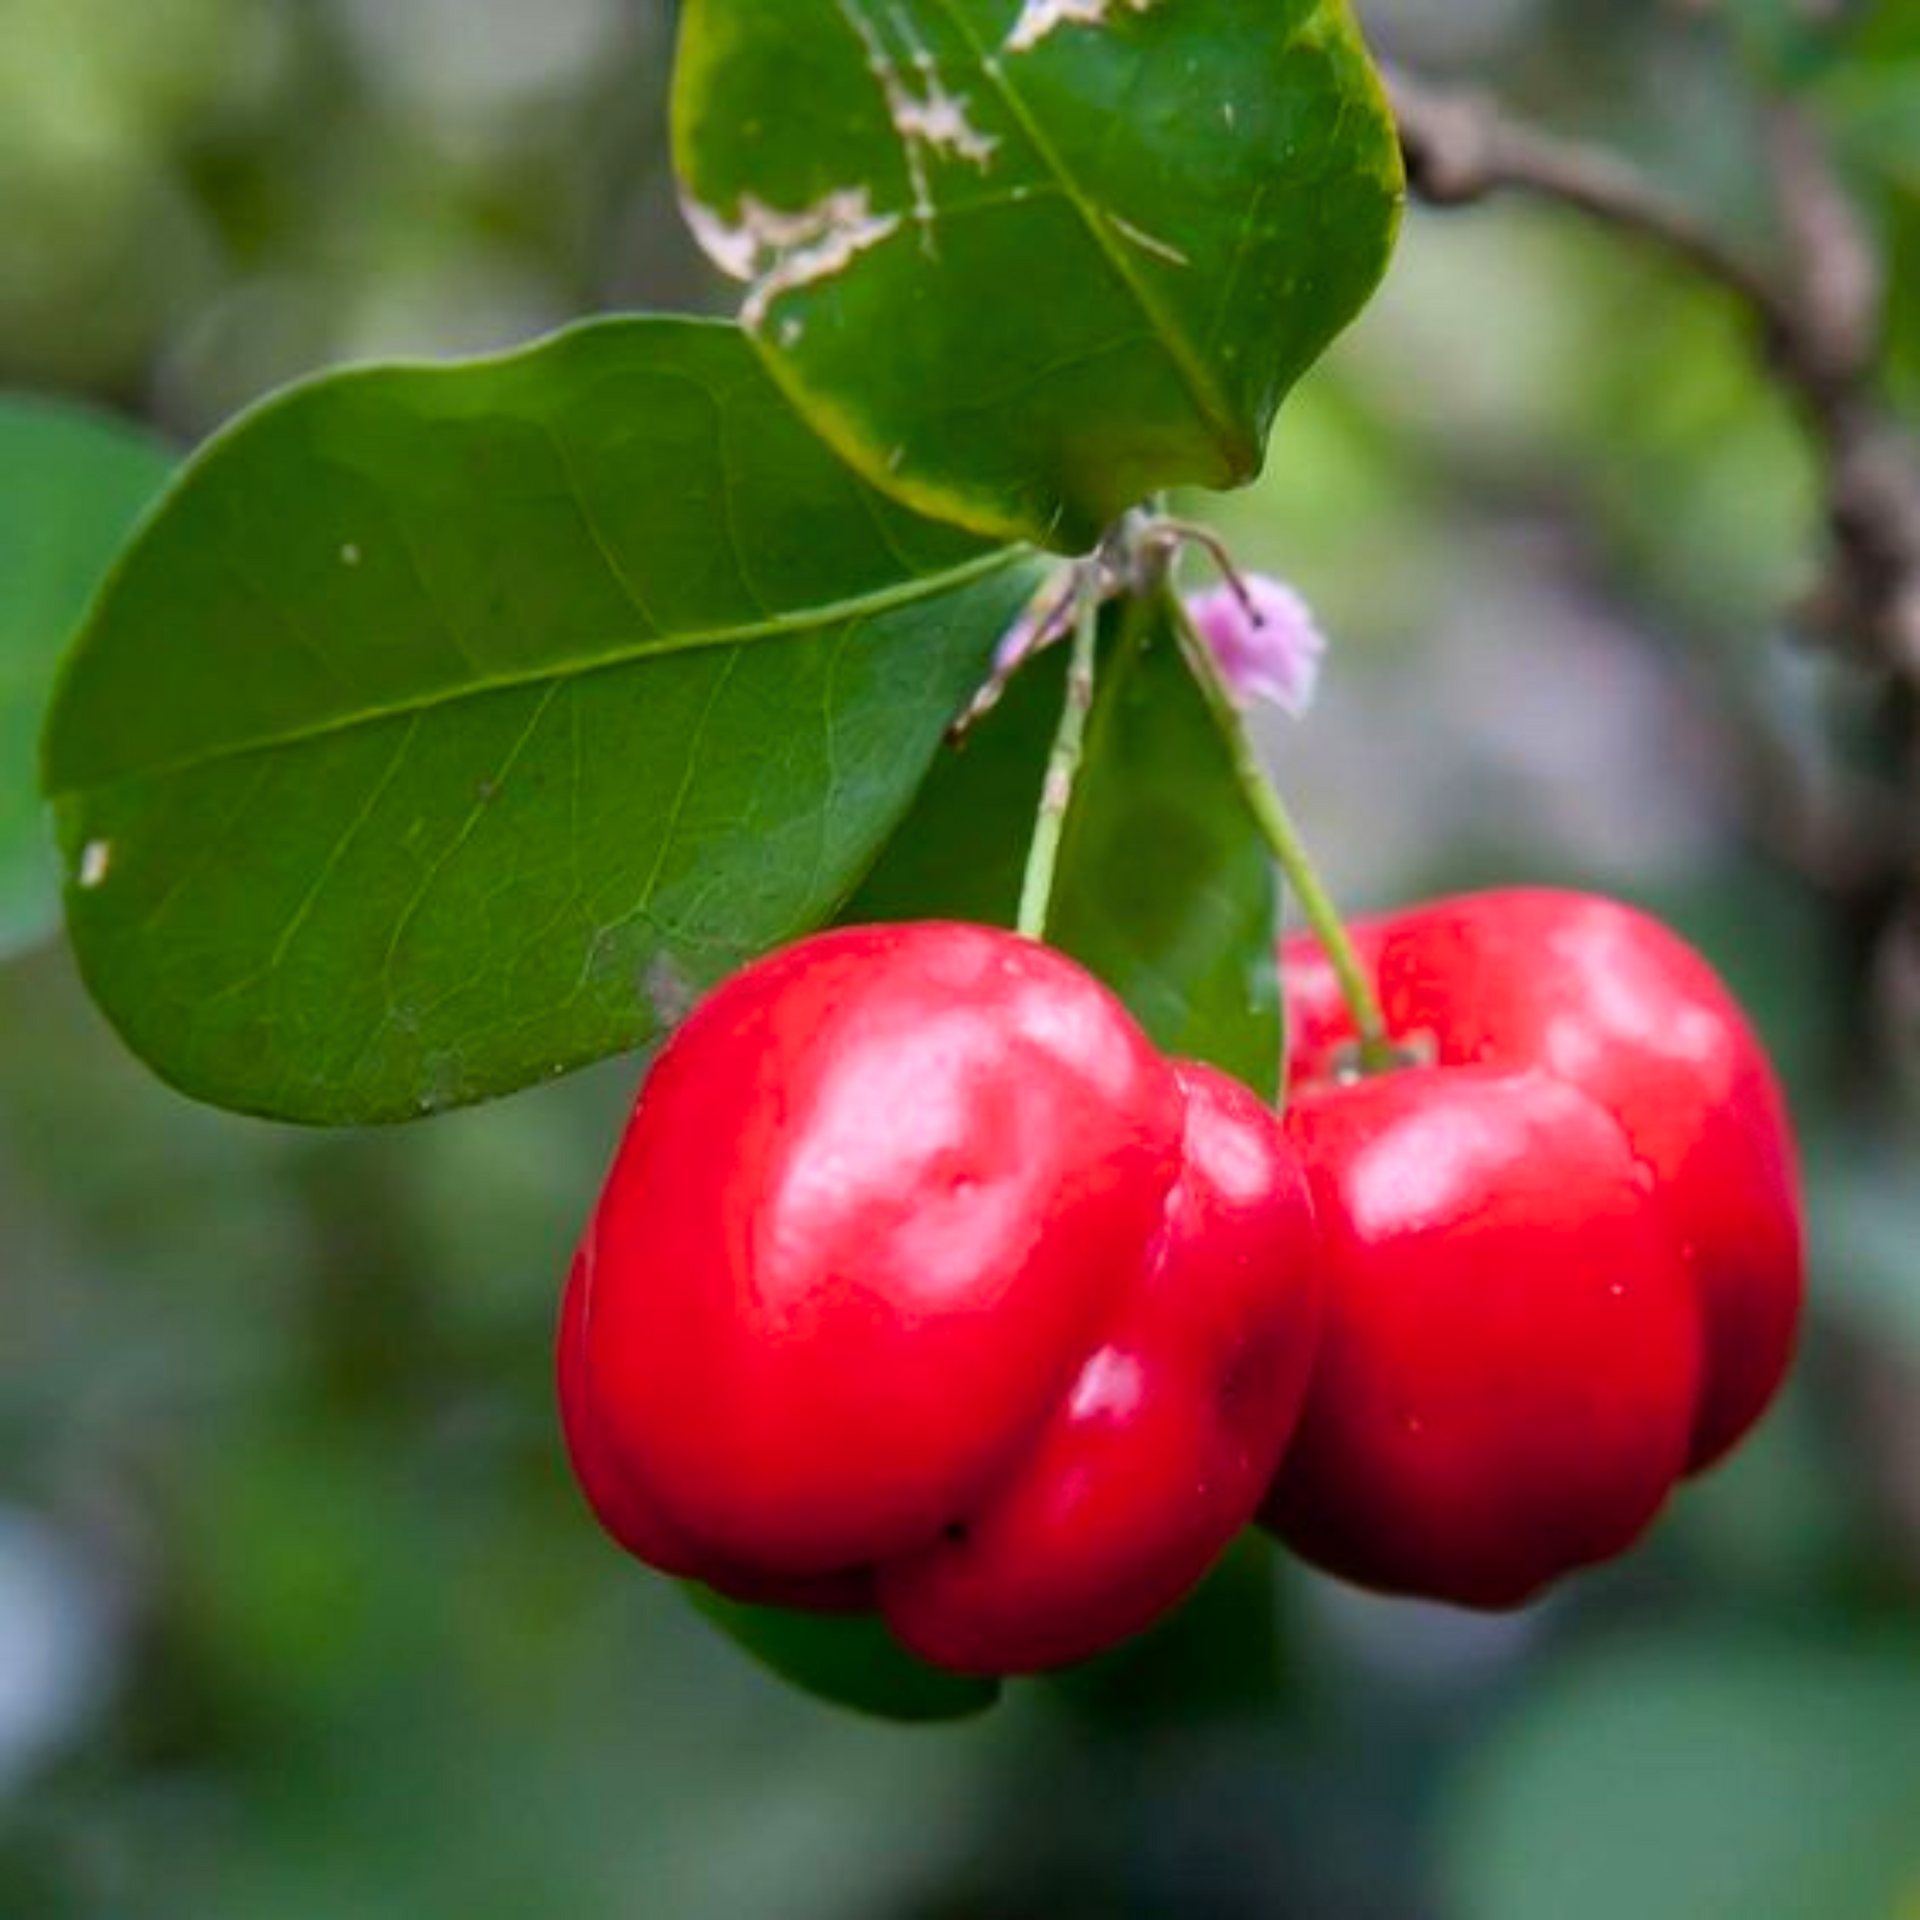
{"x": 799, "y": 624}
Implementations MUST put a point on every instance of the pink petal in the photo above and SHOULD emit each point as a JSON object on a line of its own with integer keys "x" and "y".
{"x": 1265, "y": 643}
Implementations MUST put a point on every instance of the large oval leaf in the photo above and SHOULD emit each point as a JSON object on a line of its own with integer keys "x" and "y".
{"x": 450, "y": 727}
{"x": 1026, "y": 263}
{"x": 1164, "y": 886}
{"x": 71, "y": 483}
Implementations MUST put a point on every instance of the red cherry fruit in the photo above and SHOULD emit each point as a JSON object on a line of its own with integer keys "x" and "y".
{"x": 885, "y": 1201}
{"x": 622, "y": 1507}
{"x": 1507, "y": 1377}
{"x": 1605, "y": 999}
{"x": 1163, "y": 1446}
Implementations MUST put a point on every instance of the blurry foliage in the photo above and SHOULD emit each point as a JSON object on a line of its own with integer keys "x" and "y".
{"x": 76, "y": 481}
{"x": 1716, "y": 1774}
{"x": 299, "y": 1612}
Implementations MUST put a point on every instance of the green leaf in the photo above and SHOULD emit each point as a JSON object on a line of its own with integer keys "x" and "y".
{"x": 848, "y": 1659}
{"x": 1219, "y": 1656}
{"x": 1696, "y": 1776}
{"x": 1025, "y": 264}
{"x": 1170, "y": 894}
{"x": 71, "y": 484}
{"x": 1164, "y": 887}
{"x": 451, "y": 727}
{"x": 961, "y": 852}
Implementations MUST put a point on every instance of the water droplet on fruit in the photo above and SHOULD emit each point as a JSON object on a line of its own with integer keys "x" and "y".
{"x": 95, "y": 859}
{"x": 1644, "y": 1177}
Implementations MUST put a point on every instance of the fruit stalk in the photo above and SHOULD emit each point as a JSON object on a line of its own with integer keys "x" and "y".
{"x": 1376, "y": 1049}
{"x": 1063, "y": 766}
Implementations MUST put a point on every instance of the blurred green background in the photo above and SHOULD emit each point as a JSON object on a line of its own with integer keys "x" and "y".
{"x": 299, "y": 1612}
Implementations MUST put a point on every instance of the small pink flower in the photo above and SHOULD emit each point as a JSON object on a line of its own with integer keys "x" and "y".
{"x": 1263, "y": 637}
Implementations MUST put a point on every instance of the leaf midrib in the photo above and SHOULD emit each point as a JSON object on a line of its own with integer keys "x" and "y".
{"x": 1211, "y": 403}
{"x": 798, "y": 624}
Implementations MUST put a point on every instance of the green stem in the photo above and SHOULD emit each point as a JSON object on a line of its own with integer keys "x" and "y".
{"x": 1377, "y": 1051}
{"x": 1063, "y": 767}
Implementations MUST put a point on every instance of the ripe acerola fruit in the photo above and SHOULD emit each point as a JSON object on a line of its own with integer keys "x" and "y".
{"x": 1161, "y": 1450}
{"x": 1595, "y": 1160}
{"x": 921, "y": 1281}
{"x": 1512, "y": 1351}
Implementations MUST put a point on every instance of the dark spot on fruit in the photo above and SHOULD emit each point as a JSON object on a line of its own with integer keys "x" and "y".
{"x": 1244, "y": 1380}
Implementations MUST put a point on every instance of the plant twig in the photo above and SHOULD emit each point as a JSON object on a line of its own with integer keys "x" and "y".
{"x": 1835, "y": 265}
{"x": 1819, "y": 322}
{"x": 1462, "y": 147}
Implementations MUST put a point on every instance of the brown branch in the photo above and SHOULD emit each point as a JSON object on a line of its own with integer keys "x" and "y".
{"x": 1819, "y": 324}
{"x": 1461, "y": 147}
{"x": 1835, "y": 265}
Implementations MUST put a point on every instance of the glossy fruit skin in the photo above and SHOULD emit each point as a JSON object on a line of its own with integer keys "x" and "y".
{"x": 1510, "y": 1363}
{"x": 1162, "y": 1448}
{"x": 882, "y": 1199}
{"x": 1605, "y": 999}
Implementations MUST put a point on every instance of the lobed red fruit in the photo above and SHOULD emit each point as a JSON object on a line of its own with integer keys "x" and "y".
{"x": 921, "y": 1281}
{"x": 1565, "y": 1255}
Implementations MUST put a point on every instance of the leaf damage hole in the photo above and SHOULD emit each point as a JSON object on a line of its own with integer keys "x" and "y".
{"x": 1040, "y": 19}
{"x": 928, "y": 117}
{"x": 781, "y": 252}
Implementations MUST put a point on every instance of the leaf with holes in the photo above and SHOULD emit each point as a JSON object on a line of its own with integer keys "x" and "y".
{"x": 450, "y": 727}
{"x": 1164, "y": 888}
{"x": 1026, "y": 263}
{"x": 71, "y": 484}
